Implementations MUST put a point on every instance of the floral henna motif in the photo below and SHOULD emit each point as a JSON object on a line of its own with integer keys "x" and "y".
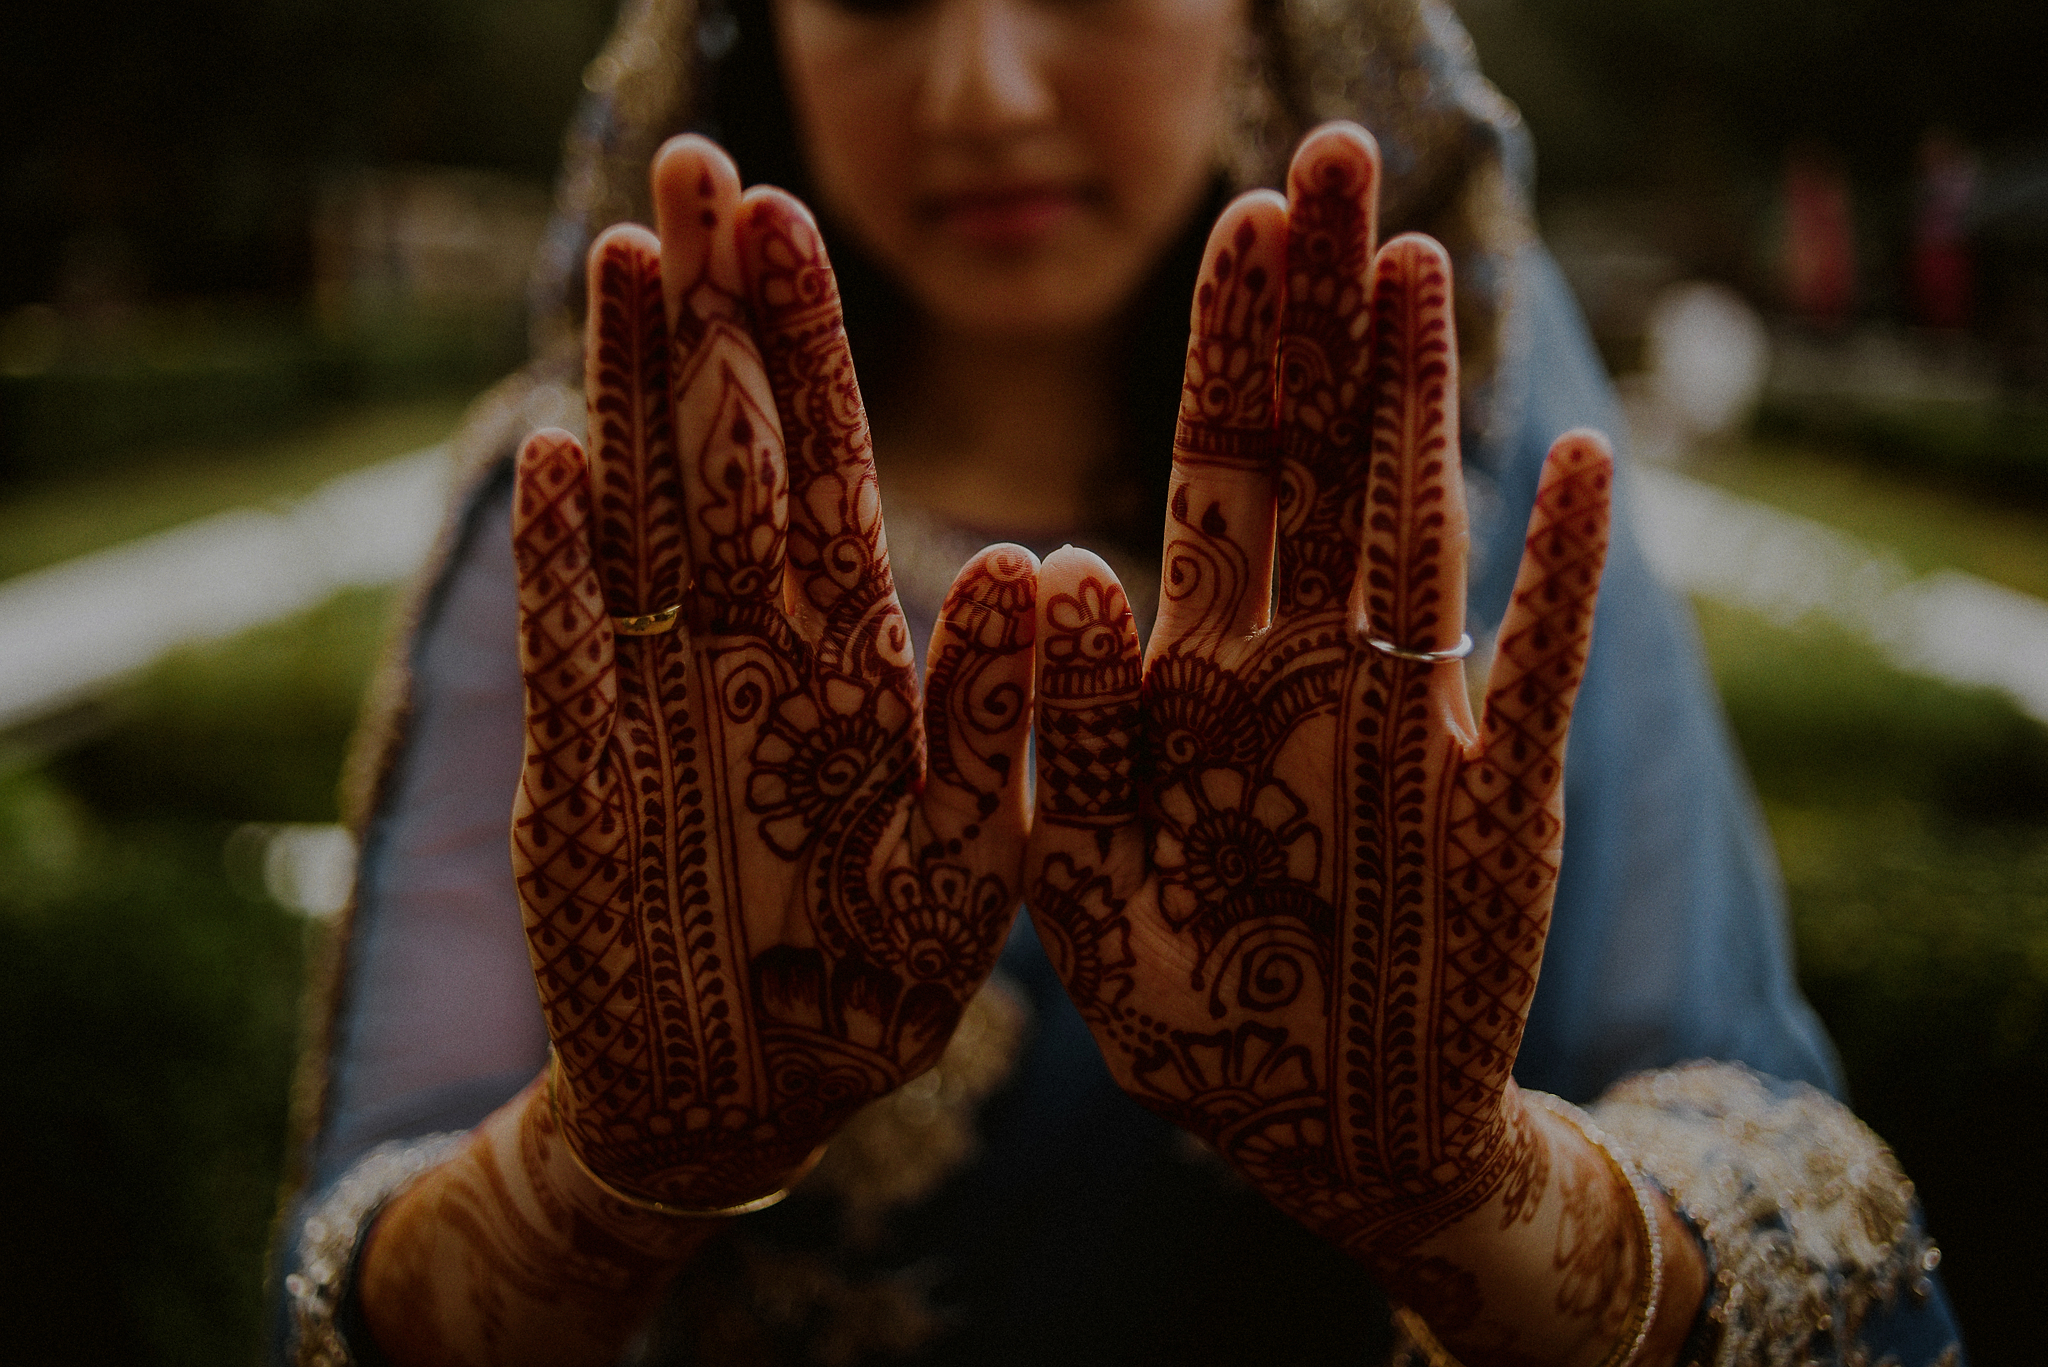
{"x": 1319, "y": 952}
{"x": 1086, "y": 704}
{"x": 750, "y": 906}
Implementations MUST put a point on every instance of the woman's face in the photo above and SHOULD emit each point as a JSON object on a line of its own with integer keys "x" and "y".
{"x": 1017, "y": 165}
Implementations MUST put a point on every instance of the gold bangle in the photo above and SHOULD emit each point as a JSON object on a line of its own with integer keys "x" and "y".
{"x": 1635, "y": 1330}
{"x": 648, "y": 1203}
{"x": 647, "y": 623}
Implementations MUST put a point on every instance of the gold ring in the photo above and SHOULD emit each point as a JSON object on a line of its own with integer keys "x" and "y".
{"x": 647, "y": 624}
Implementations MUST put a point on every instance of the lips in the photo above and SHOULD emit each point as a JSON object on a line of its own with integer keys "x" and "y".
{"x": 1008, "y": 217}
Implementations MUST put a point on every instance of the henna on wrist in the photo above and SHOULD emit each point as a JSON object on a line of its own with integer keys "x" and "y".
{"x": 506, "y": 1252}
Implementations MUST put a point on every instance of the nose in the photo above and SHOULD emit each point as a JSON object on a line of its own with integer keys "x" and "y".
{"x": 987, "y": 72}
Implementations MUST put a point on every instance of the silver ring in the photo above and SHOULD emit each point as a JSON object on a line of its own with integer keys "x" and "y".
{"x": 1424, "y": 657}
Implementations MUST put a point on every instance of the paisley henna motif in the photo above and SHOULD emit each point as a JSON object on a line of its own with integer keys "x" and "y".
{"x": 752, "y": 906}
{"x": 1316, "y": 942}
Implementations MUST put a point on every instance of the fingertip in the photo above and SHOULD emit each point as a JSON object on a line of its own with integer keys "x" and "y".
{"x": 1080, "y": 597}
{"x": 620, "y": 259}
{"x": 548, "y": 456}
{"x": 624, "y": 242}
{"x": 691, "y": 167}
{"x": 1339, "y": 156}
{"x": 1071, "y": 562}
{"x": 551, "y": 500}
{"x": 1580, "y": 451}
{"x": 782, "y": 254}
{"x": 993, "y": 601}
{"x": 1413, "y": 254}
{"x": 696, "y": 195}
{"x": 771, "y": 205}
{"x": 1250, "y": 230}
{"x": 1578, "y": 477}
{"x": 1006, "y": 559}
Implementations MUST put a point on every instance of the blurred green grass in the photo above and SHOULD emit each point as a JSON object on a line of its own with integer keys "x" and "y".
{"x": 55, "y": 516}
{"x": 153, "y": 1007}
{"x": 150, "y": 1007}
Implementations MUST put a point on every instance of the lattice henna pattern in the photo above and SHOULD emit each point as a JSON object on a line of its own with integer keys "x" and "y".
{"x": 1315, "y": 942}
{"x": 750, "y": 907}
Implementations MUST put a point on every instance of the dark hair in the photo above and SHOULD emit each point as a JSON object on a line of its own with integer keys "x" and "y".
{"x": 743, "y": 104}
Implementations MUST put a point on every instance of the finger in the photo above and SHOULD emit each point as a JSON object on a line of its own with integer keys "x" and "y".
{"x": 1410, "y": 589}
{"x": 840, "y": 565}
{"x": 1086, "y": 854}
{"x": 1217, "y": 575}
{"x": 728, "y": 440}
{"x": 569, "y": 843}
{"x": 1324, "y": 364}
{"x": 565, "y": 638}
{"x": 641, "y": 557}
{"x": 1089, "y": 670}
{"x": 1548, "y": 630}
{"x": 977, "y": 709}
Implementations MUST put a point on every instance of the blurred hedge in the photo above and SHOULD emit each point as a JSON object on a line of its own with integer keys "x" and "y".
{"x": 232, "y": 375}
{"x": 1911, "y": 819}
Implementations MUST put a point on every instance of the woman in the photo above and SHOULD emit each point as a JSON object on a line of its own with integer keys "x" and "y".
{"x": 757, "y": 918}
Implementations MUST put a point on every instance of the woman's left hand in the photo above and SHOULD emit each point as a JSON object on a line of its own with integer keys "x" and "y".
{"x": 1299, "y": 897}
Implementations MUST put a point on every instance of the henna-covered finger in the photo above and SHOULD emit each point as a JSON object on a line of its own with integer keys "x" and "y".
{"x": 696, "y": 196}
{"x": 1324, "y": 365}
{"x": 565, "y": 639}
{"x": 1548, "y": 629}
{"x": 569, "y": 833}
{"x": 1410, "y": 588}
{"x": 977, "y": 708}
{"x": 1087, "y": 854}
{"x": 728, "y": 436}
{"x": 839, "y": 577}
{"x": 636, "y": 529}
{"x": 1218, "y": 563}
{"x": 1089, "y": 676}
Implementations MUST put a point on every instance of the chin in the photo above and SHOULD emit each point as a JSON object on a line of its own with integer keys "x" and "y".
{"x": 1038, "y": 302}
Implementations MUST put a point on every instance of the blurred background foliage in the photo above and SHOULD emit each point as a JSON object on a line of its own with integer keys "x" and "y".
{"x": 184, "y": 143}
{"x": 254, "y": 243}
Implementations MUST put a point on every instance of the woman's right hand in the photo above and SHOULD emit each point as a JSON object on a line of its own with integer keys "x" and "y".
{"x": 753, "y": 905}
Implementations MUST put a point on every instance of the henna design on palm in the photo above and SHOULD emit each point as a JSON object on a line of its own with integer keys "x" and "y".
{"x": 1307, "y": 926}
{"x": 752, "y": 904}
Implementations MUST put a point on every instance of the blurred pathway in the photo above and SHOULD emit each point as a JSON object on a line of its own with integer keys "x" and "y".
{"x": 74, "y": 628}
{"x": 1948, "y": 624}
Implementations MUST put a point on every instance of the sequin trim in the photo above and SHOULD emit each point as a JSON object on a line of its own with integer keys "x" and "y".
{"x": 1806, "y": 1214}
{"x": 328, "y": 1239}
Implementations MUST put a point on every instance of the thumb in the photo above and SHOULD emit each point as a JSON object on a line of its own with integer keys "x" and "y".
{"x": 1087, "y": 850}
{"x": 977, "y": 710}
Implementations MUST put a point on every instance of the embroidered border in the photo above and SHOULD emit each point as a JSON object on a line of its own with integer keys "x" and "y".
{"x": 1807, "y": 1215}
{"x": 328, "y": 1238}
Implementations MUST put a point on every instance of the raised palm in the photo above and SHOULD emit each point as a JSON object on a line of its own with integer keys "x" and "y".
{"x": 1301, "y": 901}
{"x": 752, "y": 904}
